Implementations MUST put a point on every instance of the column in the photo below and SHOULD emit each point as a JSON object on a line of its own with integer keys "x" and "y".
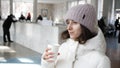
{"x": 113, "y": 12}
{"x": 0, "y": 8}
{"x": 11, "y": 6}
{"x": 100, "y": 9}
{"x": 107, "y": 8}
{"x": 34, "y": 10}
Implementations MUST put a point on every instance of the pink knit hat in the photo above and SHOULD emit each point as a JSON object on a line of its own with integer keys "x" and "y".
{"x": 85, "y": 14}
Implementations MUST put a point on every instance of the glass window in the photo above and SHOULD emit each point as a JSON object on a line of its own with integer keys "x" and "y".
{"x": 5, "y": 8}
{"x": 74, "y": 3}
{"x": 81, "y": 2}
{"x": 100, "y": 9}
{"x": 22, "y": 8}
{"x": 117, "y": 13}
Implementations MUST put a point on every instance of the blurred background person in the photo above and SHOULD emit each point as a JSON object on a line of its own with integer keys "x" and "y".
{"x": 28, "y": 17}
{"x": 6, "y": 27}
{"x": 22, "y": 18}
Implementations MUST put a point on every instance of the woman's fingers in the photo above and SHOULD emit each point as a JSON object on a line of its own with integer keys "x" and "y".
{"x": 47, "y": 49}
{"x": 48, "y": 55}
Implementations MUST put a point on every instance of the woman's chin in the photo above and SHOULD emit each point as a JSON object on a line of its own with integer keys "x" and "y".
{"x": 72, "y": 37}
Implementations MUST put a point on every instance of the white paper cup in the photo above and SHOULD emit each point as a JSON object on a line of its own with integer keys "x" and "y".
{"x": 54, "y": 48}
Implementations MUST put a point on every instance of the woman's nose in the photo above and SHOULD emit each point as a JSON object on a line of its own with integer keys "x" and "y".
{"x": 69, "y": 27}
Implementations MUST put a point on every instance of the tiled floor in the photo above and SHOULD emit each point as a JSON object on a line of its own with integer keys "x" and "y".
{"x": 113, "y": 51}
{"x": 15, "y": 55}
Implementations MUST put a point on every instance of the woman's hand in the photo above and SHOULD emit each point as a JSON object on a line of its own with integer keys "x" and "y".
{"x": 48, "y": 55}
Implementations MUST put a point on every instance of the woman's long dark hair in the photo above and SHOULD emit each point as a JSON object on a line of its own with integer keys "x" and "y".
{"x": 85, "y": 35}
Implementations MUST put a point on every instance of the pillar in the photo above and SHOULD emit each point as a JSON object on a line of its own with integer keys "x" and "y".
{"x": 107, "y": 9}
{"x": 11, "y": 6}
{"x": 34, "y": 10}
{"x": 0, "y": 8}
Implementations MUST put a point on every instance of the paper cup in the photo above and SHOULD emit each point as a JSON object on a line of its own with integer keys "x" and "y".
{"x": 54, "y": 48}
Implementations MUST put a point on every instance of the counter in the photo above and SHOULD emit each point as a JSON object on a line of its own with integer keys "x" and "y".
{"x": 34, "y": 36}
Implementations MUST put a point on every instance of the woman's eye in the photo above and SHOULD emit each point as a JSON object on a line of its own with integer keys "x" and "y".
{"x": 67, "y": 23}
{"x": 75, "y": 23}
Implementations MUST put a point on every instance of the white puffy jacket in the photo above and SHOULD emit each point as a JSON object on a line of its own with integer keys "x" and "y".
{"x": 75, "y": 55}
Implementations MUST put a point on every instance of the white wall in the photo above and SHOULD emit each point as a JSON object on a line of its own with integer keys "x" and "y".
{"x": 59, "y": 12}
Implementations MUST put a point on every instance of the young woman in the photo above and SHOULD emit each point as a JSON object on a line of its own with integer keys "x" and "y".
{"x": 85, "y": 45}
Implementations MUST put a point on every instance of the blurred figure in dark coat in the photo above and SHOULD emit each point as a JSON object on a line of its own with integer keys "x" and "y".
{"x": 39, "y": 18}
{"x": 28, "y": 17}
{"x": 116, "y": 24}
{"x": 21, "y": 18}
{"x": 101, "y": 24}
{"x": 6, "y": 27}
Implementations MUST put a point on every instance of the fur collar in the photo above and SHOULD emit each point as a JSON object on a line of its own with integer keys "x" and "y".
{"x": 96, "y": 43}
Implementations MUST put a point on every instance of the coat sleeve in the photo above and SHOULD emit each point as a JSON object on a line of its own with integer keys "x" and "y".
{"x": 45, "y": 64}
{"x": 104, "y": 63}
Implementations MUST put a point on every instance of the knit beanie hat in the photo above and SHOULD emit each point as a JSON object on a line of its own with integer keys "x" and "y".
{"x": 84, "y": 14}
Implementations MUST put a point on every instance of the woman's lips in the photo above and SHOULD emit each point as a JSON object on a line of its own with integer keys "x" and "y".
{"x": 70, "y": 32}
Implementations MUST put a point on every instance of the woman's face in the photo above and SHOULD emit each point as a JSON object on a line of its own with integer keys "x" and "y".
{"x": 74, "y": 29}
